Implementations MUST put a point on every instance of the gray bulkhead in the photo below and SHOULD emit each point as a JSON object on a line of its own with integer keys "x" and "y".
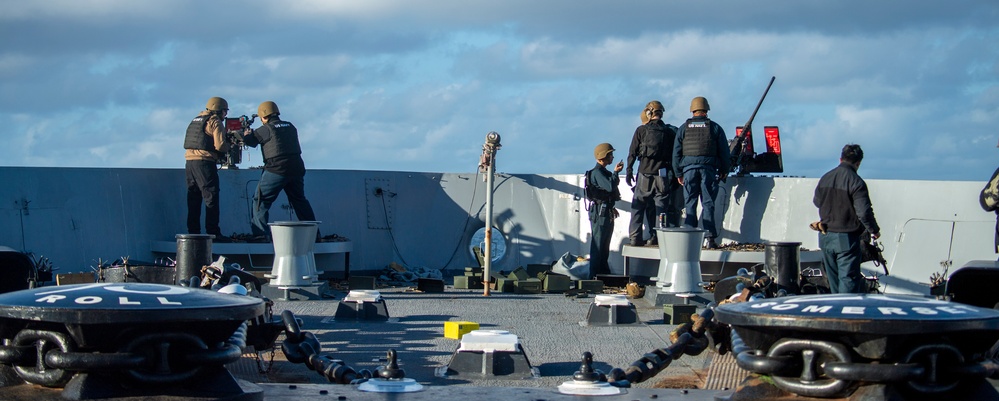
{"x": 75, "y": 216}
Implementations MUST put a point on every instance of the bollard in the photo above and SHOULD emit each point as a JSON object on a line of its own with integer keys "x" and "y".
{"x": 294, "y": 256}
{"x": 782, "y": 261}
{"x": 680, "y": 259}
{"x": 194, "y": 251}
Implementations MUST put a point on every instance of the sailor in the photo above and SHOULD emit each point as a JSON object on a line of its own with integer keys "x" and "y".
{"x": 205, "y": 143}
{"x": 600, "y": 187}
{"x": 700, "y": 160}
{"x": 652, "y": 146}
{"x": 284, "y": 169}
{"x": 845, "y": 212}
{"x": 989, "y": 199}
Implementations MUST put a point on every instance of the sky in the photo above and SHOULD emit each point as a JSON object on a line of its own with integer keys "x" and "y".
{"x": 417, "y": 85}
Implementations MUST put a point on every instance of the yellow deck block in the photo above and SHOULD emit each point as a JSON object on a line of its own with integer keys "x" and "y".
{"x": 457, "y": 329}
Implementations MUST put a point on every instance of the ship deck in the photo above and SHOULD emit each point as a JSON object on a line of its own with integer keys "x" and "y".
{"x": 548, "y": 327}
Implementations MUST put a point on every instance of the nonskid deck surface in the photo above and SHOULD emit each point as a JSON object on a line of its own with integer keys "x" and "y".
{"x": 548, "y": 326}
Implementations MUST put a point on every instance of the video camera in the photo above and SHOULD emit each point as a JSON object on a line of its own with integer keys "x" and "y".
{"x": 234, "y": 128}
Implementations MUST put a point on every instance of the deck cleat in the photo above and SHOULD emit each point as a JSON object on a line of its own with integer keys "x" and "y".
{"x": 391, "y": 379}
{"x": 588, "y": 381}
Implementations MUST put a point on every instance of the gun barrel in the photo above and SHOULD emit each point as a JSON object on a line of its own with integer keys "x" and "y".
{"x": 737, "y": 145}
{"x": 749, "y": 124}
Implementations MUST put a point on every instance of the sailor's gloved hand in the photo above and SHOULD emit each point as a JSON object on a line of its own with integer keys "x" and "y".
{"x": 630, "y": 178}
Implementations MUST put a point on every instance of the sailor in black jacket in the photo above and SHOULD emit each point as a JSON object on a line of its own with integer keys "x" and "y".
{"x": 845, "y": 212}
{"x": 652, "y": 147}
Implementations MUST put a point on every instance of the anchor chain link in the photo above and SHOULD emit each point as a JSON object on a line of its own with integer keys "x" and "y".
{"x": 688, "y": 339}
{"x": 51, "y": 358}
{"x": 303, "y": 347}
{"x": 32, "y": 366}
{"x": 825, "y": 369}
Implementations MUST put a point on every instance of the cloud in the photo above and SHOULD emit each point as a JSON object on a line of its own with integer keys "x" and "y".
{"x": 398, "y": 85}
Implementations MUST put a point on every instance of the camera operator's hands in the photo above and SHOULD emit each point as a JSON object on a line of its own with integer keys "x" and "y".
{"x": 630, "y": 178}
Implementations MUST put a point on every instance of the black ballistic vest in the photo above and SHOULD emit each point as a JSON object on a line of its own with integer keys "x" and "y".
{"x": 697, "y": 139}
{"x": 656, "y": 143}
{"x": 196, "y": 137}
{"x": 284, "y": 140}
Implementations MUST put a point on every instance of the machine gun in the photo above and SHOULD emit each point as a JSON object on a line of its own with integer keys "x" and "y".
{"x": 741, "y": 147}
{"x": 234, "y": 128}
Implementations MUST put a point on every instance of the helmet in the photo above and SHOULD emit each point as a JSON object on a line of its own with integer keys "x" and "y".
{"x": 217, "y": 104}
{"x": 652, "y": 108}
{"x": 655, "y": 105}
{"x": 699, "y": 103}
{"x": 268, "y": 108}
{"x": 602, "y": 150}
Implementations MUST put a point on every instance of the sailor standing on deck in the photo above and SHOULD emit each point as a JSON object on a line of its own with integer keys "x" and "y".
{"x": 989, "y": 199}
{"x": 652, "y": 146}
{"x": 700, "y": 160}
{"x": 845, "y": 211}
{"x": 204, "y": 145}
{"x": 600, "y": 187}
{"x": 284, "y": 169}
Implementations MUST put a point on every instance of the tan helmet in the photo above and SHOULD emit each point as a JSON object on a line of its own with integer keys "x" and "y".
{"x": 699, "y": 103}
{"x": 268, "y": 108}
{"x": 601, "y": 151}
{"x": 217, "y": 104}
{"x": 653, "y": 107}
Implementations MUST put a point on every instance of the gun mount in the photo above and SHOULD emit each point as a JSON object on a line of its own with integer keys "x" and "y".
{"x": 744, "y": 158}
{"x": 234, "y": 128}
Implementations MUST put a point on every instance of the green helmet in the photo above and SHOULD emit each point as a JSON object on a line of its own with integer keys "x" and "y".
{"x": 699, "y": 103}
{"x": 267, "y": 109}
{"x": 217, "y": 104}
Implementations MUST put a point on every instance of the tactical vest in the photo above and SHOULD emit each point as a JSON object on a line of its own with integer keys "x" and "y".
{"x": 697, "y": 139}
{"x": 594, "y": 193}
{"x": 196, "y": 137}
{"x": 284, "y": 140}
{"x": 653, "y": 143}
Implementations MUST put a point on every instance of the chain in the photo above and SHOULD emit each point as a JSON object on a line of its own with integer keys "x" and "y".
{"x": 260, "y": 365}
{"x": 825, "y": 369}
{"x": 32, "y": 366}
{"x": 51, "y": 358}
{"x": 303, "y": 347}
{"x": 688, "y": 339}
